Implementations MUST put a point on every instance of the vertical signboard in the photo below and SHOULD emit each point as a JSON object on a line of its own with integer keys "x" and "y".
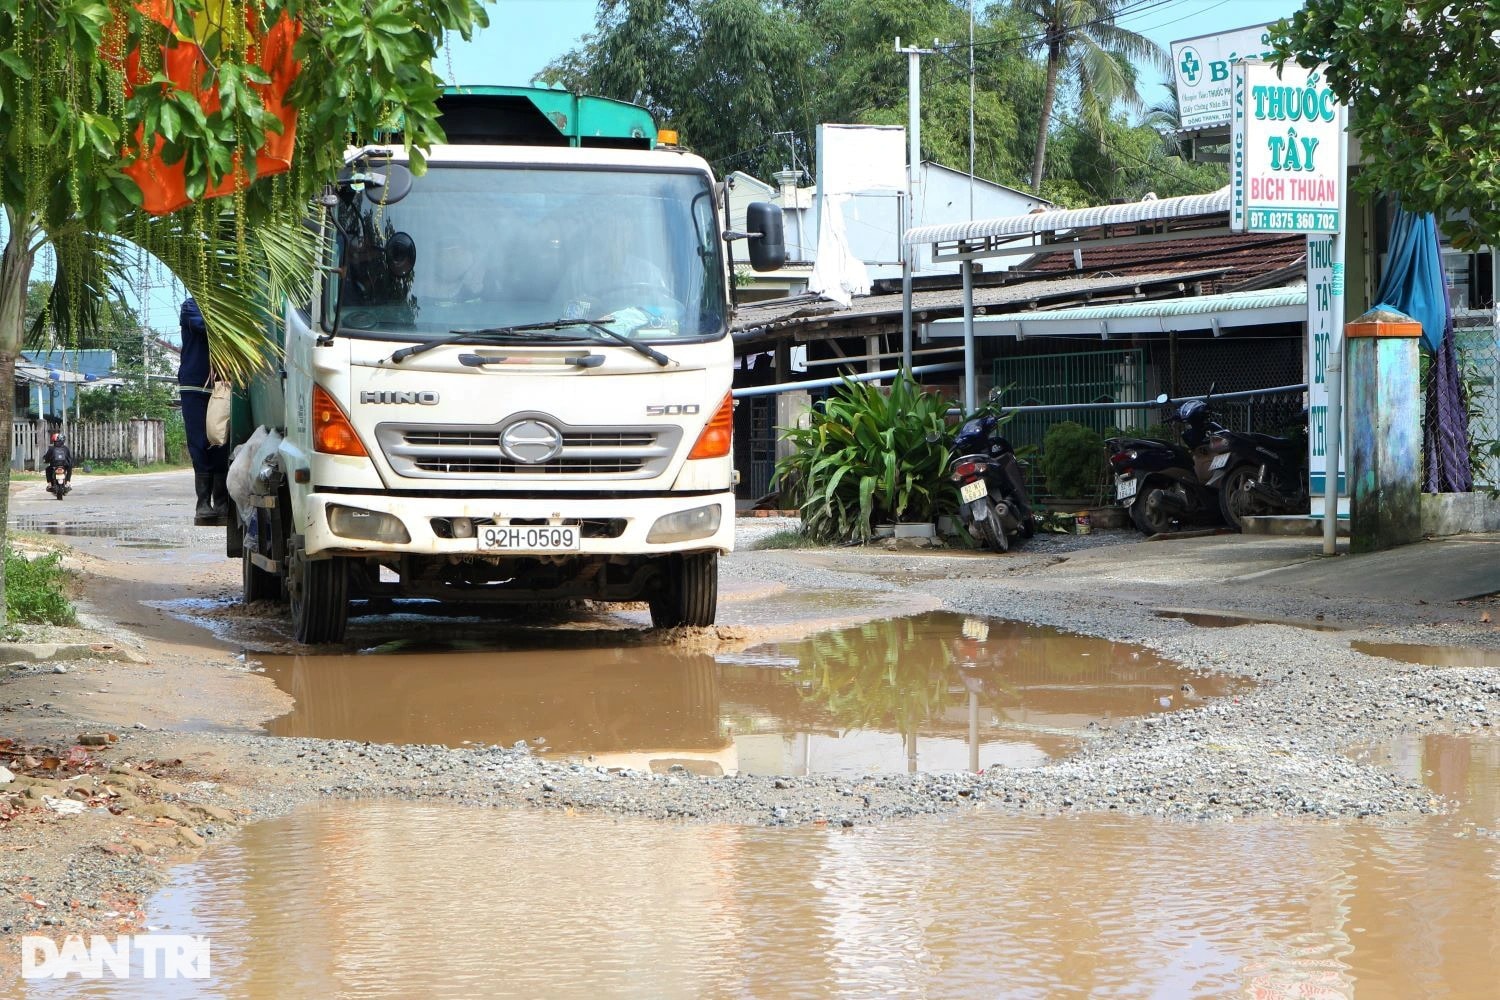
{"x": 1321, "y": 341}
{"x": 1284, "y": 151}
{"x": 1201, "y": 72}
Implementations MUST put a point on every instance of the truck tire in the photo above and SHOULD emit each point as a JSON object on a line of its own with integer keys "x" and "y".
{"x": 319, "y": 594}
{"x": 691, "y": 593}
{"x": 257, "y": 584}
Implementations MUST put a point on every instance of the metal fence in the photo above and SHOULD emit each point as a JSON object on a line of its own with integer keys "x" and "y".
{"x": 139, "y": 442}
{"x": 1479, "y": 359}
{"x": 1176, "y": 366}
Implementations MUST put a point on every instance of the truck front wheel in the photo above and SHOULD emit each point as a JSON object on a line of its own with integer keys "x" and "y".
{"x": 319, "y": 593}
{"x": 690, "y": 592}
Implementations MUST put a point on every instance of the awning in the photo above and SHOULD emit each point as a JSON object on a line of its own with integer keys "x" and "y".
{"x": 1213, "y": 313}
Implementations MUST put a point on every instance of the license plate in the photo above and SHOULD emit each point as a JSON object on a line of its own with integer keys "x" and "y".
{"x": 1219, "y": 461}
{"x": 529, "y": 538}
{"x": 1125, "y": 488}
{"x": 969, "y": 492}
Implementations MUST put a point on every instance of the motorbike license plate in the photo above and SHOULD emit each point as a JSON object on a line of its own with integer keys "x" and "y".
{"x": 1219, "y": 461}
{"x": 976, "y": 490}
{"x": 1125, "y": 488}
{"x": 530, "y": 538}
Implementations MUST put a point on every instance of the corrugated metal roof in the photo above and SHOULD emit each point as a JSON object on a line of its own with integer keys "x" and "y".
{"x": 756, "y": 319}
{"x": 1277, "y": 305}
{"x": 1197, "y": 305}
{"x": 1074, "y": 218}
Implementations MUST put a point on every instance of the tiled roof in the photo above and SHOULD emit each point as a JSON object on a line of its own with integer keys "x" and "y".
{"x": 1247, "y": 257}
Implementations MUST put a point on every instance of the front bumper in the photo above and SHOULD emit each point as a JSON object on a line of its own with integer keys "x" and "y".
{"x": 423, "y": 517}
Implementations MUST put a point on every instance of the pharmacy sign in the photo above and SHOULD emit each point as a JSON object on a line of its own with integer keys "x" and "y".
{"x": 1284, "y": 151}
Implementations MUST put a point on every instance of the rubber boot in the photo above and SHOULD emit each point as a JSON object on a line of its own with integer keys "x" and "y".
{"x": 221, "y": 497}
{"x": 203, "y": 513}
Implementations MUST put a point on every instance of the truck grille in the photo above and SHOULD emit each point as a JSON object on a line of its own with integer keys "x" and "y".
{"x": 428, "y": 451}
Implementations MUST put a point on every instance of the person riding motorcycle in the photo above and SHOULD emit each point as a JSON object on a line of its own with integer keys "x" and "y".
{"x": 58, "y": 454}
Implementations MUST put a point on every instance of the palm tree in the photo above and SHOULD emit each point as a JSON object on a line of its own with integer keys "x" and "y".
{"x": 1081, "y": 36}
{"x": 1165, "y": 116}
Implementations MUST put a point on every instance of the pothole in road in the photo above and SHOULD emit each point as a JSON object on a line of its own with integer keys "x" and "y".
{"x": 129, "y": 536}
{"x": 930, "y": 692}
{"x": 1224, "y": 619}
{"x": 1431, "y": 656}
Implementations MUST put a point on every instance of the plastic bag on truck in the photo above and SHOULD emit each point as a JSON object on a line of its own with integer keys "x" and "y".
{"x": 242, "y": 471}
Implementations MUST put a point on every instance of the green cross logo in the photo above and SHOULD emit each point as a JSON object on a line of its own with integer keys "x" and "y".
{"x": 1190, "y": 66}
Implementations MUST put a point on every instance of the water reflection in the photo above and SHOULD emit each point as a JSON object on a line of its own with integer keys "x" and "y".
{"x": 399, "y": 900}
{"x": 936, "y": 691}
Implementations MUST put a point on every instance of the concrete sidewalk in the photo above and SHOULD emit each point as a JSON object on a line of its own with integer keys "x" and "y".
{"x": 1447, "y": 569}
{"x": 1441, "y": 570}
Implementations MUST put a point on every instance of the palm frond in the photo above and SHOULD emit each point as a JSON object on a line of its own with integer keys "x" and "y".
{"x": 1131, "y": 44}
{"x": 240, "y": 294}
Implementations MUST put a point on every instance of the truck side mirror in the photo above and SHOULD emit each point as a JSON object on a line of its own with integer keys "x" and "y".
{"x": 768, "y": 249}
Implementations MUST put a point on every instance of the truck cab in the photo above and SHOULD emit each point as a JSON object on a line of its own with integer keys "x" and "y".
{"x": 512, "y": 383}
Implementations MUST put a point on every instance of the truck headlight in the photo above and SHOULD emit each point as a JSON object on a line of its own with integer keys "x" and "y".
{"x": 367, "y": 525}
{"x": 686, "y": 525}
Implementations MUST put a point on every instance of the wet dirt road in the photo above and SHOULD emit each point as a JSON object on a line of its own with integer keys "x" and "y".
{"x": 379, "y": 899}
{"x": 398, "y": 898}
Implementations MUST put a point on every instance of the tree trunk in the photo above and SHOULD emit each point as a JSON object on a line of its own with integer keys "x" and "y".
{"x": 1049, "y": 96}
{"x": 15, "y": 274}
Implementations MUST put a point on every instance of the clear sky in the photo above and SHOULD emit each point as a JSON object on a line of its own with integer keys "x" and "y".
{"x": 524, "y": 35}
{"x": 527, "y": 34}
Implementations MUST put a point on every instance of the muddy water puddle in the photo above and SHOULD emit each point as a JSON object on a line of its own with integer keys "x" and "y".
{"x": 1224, "y": 619}
{"x": 1432, "y": 656}
{"x": 928, "y": 692}
{"x": 393, "y": 899}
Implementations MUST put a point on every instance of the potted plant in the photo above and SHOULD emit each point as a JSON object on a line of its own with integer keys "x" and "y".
{"x": 870, "y": 456}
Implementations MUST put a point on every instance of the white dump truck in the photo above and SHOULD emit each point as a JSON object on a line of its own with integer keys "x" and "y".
{"x": 512, "y": 383}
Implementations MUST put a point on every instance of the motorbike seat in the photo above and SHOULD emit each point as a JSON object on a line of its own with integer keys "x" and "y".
{"x": 1268, "y": 441}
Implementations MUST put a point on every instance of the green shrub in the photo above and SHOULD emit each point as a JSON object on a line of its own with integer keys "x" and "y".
{"x": 1073, "y": 460}
{"x": 35, "y": 589}
{"x": 869, "y": 456}
{"x": 791, "y": 538}
{"x": 176, "y": 439}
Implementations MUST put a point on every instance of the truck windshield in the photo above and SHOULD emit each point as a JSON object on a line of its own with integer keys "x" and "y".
{"x": 486, "y": 247}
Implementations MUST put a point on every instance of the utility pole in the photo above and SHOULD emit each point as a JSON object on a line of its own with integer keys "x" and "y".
{"x": 913, "y": 166}
{"x": 971, "y": 111}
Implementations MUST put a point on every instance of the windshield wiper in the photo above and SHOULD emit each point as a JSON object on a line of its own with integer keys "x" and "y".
{"x": 488, "y": 335}
{"x": 598, "y": 327}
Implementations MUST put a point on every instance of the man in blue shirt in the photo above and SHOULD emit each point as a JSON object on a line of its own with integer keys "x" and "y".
{"x": 210, "y": 462}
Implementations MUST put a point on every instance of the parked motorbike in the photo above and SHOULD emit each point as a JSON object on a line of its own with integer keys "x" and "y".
{"x": 993, "y": 505}
{"x": 1257, "y": 474}
{"x": 1162, "y": 484}
{"x": 59, "y": 487}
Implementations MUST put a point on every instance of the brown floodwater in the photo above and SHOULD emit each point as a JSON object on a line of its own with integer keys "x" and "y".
{"x": 928, "y": 692}
{"x": 1432, "y": 656}
{"x": 393, "y": 899}
{"x": 1223, "y": 619}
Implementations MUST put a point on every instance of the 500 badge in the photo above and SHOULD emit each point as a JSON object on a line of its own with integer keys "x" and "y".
{"x": 672, "y": 410}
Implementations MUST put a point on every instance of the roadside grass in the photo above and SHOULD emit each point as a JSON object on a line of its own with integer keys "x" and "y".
{"x": 787, "y": 538}
{"x": 36, "y": 590}
{"x": 121, "y": 467}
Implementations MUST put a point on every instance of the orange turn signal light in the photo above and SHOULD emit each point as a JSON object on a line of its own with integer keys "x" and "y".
{"x": 718, "y": 435}
{"x": 333, "y": 434}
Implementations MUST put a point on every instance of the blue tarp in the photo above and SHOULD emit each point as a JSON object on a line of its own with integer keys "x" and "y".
{"x": 1413, "y": 284}
{"x": 1413, "y": 278}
